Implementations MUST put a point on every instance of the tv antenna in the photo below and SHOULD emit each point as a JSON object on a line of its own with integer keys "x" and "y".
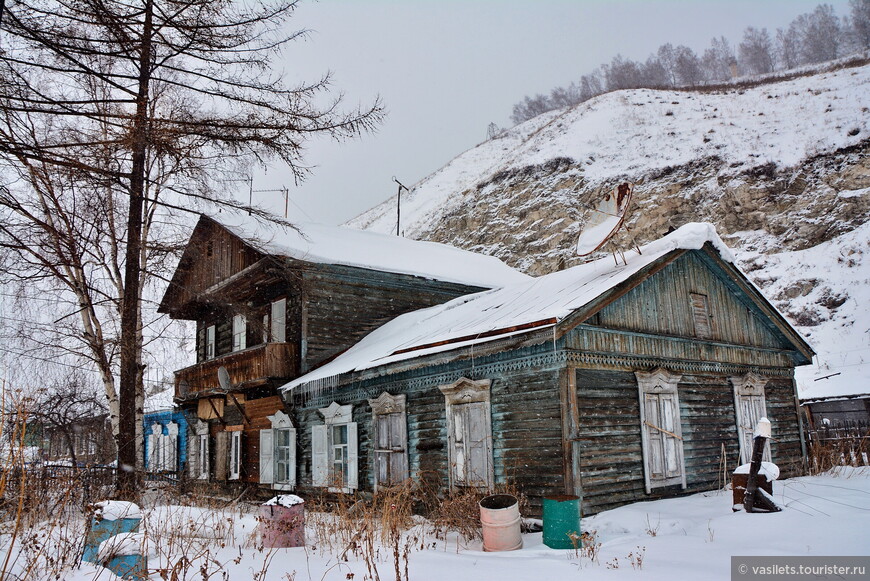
{"x": 399, "y": 205}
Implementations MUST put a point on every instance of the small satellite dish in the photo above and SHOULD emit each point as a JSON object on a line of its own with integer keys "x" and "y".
{"x": 224, "y": 378}
{"x": 606, "y": 219}
{"x": 183, "y": 389}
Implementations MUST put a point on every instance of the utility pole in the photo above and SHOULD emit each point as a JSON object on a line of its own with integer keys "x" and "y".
{"x": 399, "y": 206}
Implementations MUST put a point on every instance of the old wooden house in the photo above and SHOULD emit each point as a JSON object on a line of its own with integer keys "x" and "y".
{"x": 616, "y": 383}
{"x": 271, "y": 303}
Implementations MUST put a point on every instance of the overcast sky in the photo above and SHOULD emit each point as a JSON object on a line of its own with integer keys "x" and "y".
{"x": 446, "y": 69}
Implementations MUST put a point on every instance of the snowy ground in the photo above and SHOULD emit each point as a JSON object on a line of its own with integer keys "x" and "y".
{"x": 686, "y": 538}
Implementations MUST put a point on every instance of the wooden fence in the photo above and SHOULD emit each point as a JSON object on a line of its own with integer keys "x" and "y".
{"x": 844, "y": 445}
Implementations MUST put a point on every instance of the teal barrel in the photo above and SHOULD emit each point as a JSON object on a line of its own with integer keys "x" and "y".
{"x": 562, "y": 521}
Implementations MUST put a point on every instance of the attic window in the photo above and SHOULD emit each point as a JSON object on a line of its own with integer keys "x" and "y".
{"x": 701, "y": 316}
{"x": 209, "y": 249}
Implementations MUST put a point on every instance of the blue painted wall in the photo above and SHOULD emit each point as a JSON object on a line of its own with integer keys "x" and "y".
{"x": 163, "y": 418}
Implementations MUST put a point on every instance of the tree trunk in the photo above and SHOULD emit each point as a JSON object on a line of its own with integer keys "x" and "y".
{"x": 128, "y": 476}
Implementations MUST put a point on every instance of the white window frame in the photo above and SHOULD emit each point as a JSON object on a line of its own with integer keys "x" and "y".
{"x": 210, "y": 342}
{"x": 393, "y": 461}
{"x": 660, "y": 387}
{"x": 749, "y": 402}
{"x": 323, "y": 450}
{"x": 462, "y": 397}
{"x": 240, "y": 332}
{"x": 170, "y": 447}
{"x": 198, "y": 451}
{"x": 278, "y": 321}
{"x": 269, "y": 462}
{"x": 234, "y": 466}
{"x": 155, "y": 448}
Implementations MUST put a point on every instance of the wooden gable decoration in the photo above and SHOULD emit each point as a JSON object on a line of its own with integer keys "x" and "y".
{"x": 696, "y": 295}
{"x": 212, "y": 258}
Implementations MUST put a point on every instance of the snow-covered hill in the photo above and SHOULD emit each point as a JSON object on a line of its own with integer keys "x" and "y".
{"x": 783, "y": 170}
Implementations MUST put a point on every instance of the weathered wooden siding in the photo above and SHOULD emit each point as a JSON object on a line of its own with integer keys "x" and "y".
{"x": 662, "y": 304}
{"x": 525, "y": 414}
{"x": 344, "y": 304}
{"x": 783, "y": 414}
{"x": 213, "y": 255}
{"x": 611, "y": 456}
{"x": 594, "y": 339}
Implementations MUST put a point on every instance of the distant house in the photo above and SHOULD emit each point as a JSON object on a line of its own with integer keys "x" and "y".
{"x": 838, "y": 411}
{"x": 271, "y": 303}
{"x": 616, "y": 383}
{"x": 87, "y": 441}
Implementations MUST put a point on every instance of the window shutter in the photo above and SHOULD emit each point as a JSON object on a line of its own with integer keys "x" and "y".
{"x": 240, "y": 332}
{"x": 235, "y": 455}
{"x": 193, "y": 457}
{"x": 382, "y": 453}
{"x": 701, "y": 316}
{"x": 278, "y": 332}
{"x": 267, "y": 460}
{"x": 220, "y": 455}
{"x": 399, "y": 457}
{"x": 319, "y": 459}
{"x": 477, "y": 445}
{"x": 460, "y": 462}
{"x": 171, "y": 446}
{"x": 292, "y": 481}
{"x": 200, "y": 344}
{"x": 352, "y": 456}
{"x": 153, "y": 455}
{"x": 210, "y": 342}
{"x": 204, "y": 457}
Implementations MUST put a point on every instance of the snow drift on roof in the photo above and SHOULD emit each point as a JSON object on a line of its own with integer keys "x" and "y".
{"x": 535, "y": 304}
{"x": 348, "y": 247}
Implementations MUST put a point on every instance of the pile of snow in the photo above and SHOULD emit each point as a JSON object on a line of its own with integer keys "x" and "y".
{"x": 116, "y": 510}
{"x": 349, "y": 247}
{"x": 123, "y": 545}
{"x": 285, "y": 500}
{"x": 769, "y": 469}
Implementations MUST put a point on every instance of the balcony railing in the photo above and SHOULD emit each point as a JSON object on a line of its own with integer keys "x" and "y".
{"x": 251, "y": 366}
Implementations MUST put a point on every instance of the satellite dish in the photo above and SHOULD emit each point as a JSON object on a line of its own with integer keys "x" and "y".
{"x": 183, "y": 389}
{"x": 224, "y": 378}
{"x": 606, "y": 219}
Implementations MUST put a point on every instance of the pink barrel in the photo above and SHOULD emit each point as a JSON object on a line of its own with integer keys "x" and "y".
{"x": 500, "y": 517}
{"x": 282, "y": 526}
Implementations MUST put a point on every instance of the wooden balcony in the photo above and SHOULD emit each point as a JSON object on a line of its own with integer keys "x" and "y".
{"x": 253, "y": 366}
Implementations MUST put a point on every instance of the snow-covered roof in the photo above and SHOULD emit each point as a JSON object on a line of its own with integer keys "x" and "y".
{"x": 486, "y": 316}
{"x": 370, "y": 250}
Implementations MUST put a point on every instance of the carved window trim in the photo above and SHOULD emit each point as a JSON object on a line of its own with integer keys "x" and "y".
{"x": 462, "y": 392}
{"x": 749, "y": 386}
{"x": 323, "y": 448}
{"x": 386, "y": 405}
{"x": 662, "y": 383}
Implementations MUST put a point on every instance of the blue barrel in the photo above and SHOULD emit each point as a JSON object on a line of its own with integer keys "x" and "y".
{"x": 102, "y": 529}
{"x": 562, "y": 521}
